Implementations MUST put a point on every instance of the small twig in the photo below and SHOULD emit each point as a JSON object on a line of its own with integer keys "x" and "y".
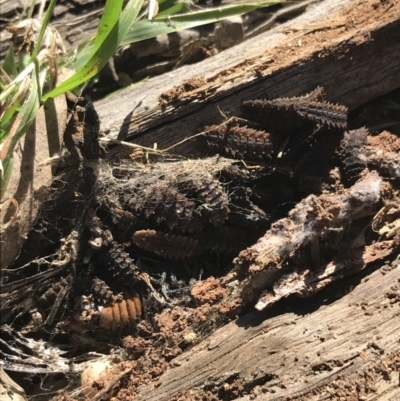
{"x": 56, "y": 306}
{"x": 183, "y": 141}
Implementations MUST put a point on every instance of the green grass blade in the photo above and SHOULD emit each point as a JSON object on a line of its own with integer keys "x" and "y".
{"x": 106, "y": 50}
{"x": 111, "y": 13}
{"x": 23, "y": 61}
{"x": 172, "y": 10}
{"x": 146, "y": 29}
{"x": 45, "y": 22}
{"x": 30, "y": 107}
{"x": 9, "y": 65}
{"x": 5, "y": 175}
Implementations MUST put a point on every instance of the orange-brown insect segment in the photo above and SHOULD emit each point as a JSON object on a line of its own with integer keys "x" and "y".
{"x": 239, "y": 142}
{"x": 121, "y": 313}
{"x": 171, "y": 246}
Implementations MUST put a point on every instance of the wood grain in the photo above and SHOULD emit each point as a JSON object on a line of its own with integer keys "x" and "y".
{"x": 303, "y": 352}
{"x": 351, "y": 48}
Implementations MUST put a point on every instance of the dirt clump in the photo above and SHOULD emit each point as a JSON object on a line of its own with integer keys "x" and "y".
{"x": 208, "y": 291}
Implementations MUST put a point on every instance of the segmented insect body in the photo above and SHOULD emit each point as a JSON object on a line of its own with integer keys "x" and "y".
{"x": 121, "y": 313}
{"x": 186, "y": 204}
{"x": 101, "y": 291}
{"x": 353, "y": 162}
{"x": 316, "y": 159}
{"x": 296, "y": 114}
{"x": 239, "y": 142}
{"x": 121, "y": 264}
{"x": 162, "y": 204}
{"x": 168, "y": 245}
{"x": 323, "y": 114}
{"x": 210, "y": 197}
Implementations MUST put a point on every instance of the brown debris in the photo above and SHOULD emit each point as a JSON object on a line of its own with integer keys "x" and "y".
{"x": 309, "y": 282}
{"x": 208, "y": 291}
{"x": 382, "y": 152}
{"x": 188, "y": 88}
{"x": 136, "y": 346}
{"x": 312, "y": 217}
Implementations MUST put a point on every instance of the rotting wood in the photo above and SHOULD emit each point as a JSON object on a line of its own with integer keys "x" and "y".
{"x": 328, "y": 44}
{"x": 304, "y": 353}
{"x": 311, "y": 219}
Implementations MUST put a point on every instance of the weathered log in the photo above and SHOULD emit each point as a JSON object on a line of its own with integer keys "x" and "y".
{"x": 313, "y": 351}
{"x": 350, "y": 48}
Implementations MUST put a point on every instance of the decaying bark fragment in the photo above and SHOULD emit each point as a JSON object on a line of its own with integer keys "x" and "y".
{"x": 309, "y": 282}
{"x": 311, "y": 218}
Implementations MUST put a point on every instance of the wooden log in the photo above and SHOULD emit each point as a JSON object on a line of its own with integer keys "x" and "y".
{"x": 351, "y": 48}
{"x": 312, "y": 352}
